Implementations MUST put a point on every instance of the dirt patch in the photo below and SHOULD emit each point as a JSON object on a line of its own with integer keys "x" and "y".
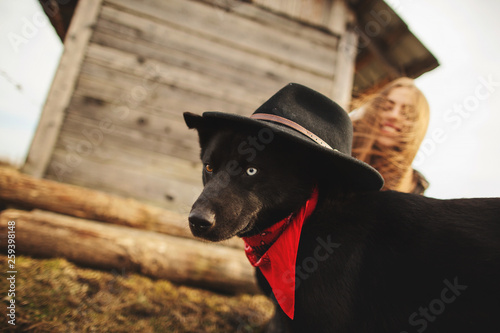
{"x": 53, "y": 295}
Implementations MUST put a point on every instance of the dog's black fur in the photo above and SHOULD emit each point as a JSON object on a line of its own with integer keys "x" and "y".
{"x": 367, "y": 261}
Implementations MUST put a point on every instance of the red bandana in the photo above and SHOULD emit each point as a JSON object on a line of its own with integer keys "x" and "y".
{"x": 274, "y": 251}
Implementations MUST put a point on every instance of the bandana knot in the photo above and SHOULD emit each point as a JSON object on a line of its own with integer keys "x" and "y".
{"x": 257, "y": 246}
{"x": 274, "y": 251}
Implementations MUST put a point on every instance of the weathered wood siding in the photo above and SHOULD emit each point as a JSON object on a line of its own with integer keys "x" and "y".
{"x": 147, "y": 61}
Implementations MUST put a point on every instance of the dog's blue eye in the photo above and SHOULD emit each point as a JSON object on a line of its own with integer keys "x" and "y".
{"x": 251, "y": 171}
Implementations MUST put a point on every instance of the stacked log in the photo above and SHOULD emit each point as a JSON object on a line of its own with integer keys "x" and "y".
{"x": 136, "y": 237}
{"x": 27, "y": 191}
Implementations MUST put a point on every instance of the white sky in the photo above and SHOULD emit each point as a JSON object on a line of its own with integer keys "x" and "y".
{"x": 463, "y": 158}
{"x": 30, "y": 52}
{"x": 460, "y": 156}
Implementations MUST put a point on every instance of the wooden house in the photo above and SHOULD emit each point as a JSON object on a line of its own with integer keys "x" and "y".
{"x": 113, "y": 117}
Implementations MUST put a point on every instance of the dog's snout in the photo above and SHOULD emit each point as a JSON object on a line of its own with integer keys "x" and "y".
{"x": 201, "y": 221}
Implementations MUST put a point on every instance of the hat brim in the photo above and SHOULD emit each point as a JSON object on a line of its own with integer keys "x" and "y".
{"x": 359, "y": 175}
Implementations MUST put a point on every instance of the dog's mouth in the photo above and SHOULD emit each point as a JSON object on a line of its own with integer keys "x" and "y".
{"x": 214, "y": 233}
{"x": 244, "y": 232}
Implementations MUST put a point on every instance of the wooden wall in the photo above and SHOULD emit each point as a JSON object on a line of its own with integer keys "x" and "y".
{"x": 113, "y": 118}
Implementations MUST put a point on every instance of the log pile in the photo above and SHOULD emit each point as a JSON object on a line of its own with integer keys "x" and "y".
{"x": 18, "y": 188}
{"x": 67, "y": 221}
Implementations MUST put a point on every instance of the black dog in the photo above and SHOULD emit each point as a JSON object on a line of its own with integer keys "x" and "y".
{"x": 367, "y": 261}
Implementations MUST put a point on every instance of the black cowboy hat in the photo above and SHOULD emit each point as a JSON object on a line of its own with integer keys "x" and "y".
{"x": 308, "y": 118}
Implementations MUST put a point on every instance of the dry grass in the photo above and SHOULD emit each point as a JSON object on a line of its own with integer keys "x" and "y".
{"x": 53, "y": 295}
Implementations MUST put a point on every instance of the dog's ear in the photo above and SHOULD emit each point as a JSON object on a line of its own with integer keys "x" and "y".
{"x": 193, "y": 120}
{"x": 204, "y": 127}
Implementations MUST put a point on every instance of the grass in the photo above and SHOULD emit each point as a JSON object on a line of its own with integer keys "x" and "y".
{"x": 53, "y": 295}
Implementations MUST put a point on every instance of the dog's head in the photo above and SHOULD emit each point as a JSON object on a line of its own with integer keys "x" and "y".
{"x": 252, "y": 179}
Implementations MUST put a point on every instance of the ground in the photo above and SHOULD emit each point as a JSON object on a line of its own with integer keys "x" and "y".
{"x": 53, "y": 295}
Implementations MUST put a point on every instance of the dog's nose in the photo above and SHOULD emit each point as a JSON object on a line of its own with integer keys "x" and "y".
{"x": 200, "y": 221}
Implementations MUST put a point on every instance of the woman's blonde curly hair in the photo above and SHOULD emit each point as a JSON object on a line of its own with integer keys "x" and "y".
{"x": 394, "y": 163}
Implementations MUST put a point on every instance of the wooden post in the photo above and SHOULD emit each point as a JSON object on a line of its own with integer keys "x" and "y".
{"x": 58, "y": 99}
{"x": 89, "y": 243}
{"x": 344, "y": 65}
{"x": 341, "y": 21}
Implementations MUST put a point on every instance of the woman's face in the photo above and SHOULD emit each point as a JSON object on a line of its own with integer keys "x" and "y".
{"x": 394, "y": 116}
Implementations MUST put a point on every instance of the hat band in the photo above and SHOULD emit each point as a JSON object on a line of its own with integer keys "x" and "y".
{"x": 291, "y": 124}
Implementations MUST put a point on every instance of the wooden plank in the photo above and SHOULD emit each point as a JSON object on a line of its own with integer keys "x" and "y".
{"x": 111, "y": 150}
{"x": 216, "y": 92}
{"x": 167, "y": 101}
{"x": 125, "y": 64}
{"x": 308, "y": 11}
{"x": 62, "y": 87}
{"x": 168, "y": 127}
{"x": 273, "y": 5}
{"x": 178, "y": 48}
{"x": 312, "y": 11}
{"x": 184, "y": 147}
{"x": 227, "y": 66}
{"x": 256, "y": 11}
{"x": 94, "y": 244}
{"x": 134, "y": 124}
{"x": 236, "y": 31}
{"x": 152, "y": 188}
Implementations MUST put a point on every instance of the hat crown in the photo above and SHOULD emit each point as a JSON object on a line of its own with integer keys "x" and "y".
{"x": 313, "y": 111}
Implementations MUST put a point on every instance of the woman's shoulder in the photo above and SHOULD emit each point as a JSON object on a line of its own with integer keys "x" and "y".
{"x": 420, "y": 183}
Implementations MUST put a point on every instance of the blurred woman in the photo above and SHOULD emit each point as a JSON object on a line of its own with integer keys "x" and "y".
{"x": 388, "y": 130}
